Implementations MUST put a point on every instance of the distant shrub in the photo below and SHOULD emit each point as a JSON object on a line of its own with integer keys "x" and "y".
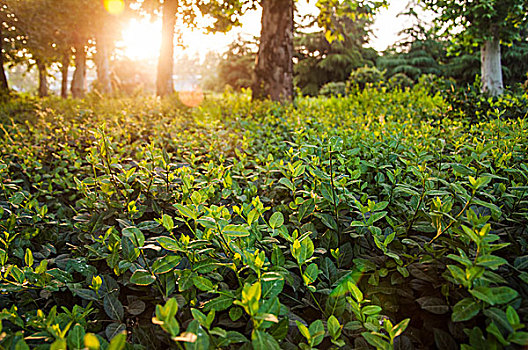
{"x": 469, "y": 103}
{"x": 434, "y": 83}
{"x": 333, "y": 89}
{"x": 400, "y": 80}
{"x": 364, "y": 76}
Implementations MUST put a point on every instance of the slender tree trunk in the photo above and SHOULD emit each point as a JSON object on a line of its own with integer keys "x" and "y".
{"x": 103, "y": 65}
{"x": 4, "y": 87}
{"x": 79, "y": 76}
{"x": 491, "y": 68}
{"x": 274, "y": 66}
{"x": 43, "y": 79}
{"x": 164, "y": 84}
{"x": 64, "y": 73}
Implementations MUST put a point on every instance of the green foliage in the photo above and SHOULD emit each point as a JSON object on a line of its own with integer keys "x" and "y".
{"x": 352, "y": 221}
{"x": 321, "y": 60}
{"x": 235, "y": 68}
{"x": 333, "y": 89}
{"x": 400, "y": 80}
{"x": 365, "y": 77}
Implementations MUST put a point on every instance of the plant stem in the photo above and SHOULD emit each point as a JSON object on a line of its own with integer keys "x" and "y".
{"x": 456, "y": 217}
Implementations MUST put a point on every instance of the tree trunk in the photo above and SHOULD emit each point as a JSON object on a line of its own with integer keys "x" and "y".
{"x": 64, "y": 73}
{"x": 274, "y": 66}
{"x": 164, "y": 84}
{"x": 43, "y": 79}
{"x": 4, "y": 87}
{"x": 491, "y": 68}
{"x": 103, "y": 65}
{"x": 79, "y": 76}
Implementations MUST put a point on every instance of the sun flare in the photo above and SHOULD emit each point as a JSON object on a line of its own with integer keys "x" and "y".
{"x": 114, "y": 7}
{"x": 142, "y": 39}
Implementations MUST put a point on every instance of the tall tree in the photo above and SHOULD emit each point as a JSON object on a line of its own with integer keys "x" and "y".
{"x": 10, "y": 42}
{"x": 274, "y": 65}
{"x": 4, "y": 87}
{"x": 164, "y": 83}
{"x": 486, "y": 23}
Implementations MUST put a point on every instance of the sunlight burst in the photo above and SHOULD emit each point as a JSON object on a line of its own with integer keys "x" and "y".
{"x": 142, "y": 39}
{"x": 114, "y": 7}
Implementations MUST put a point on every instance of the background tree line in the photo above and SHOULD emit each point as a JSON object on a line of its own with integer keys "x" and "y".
{"x": 309, "y": 54}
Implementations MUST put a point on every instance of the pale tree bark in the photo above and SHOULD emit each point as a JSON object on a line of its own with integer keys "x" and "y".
{"x": 43, "y": 78}
{"x": 4, "y": 86}
{"x": 164, "y": 83}
{"x": 79, "y": 75}
{"x": 491, "y": 68}
{"x": 274, "y": 66}
{"x": 103, "y": 64}
{"x": 65, "y": 65}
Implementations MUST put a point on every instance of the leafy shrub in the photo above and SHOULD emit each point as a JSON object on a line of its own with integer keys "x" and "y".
{"x": 435, "y": 84}
{"x": 401, "y": 81}
{"x": 333, "y": 89}
{"x": 469, "y": 103}
{"x": 253, "y": 224}
{"x": 366, "y": 76}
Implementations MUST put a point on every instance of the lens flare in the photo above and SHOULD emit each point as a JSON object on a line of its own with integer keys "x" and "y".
{"x": 192, "y": 98}
{"x": 114, "y": 7}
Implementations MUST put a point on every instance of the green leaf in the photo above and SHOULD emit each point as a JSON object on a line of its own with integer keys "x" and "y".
{"x": 28, "y": 258}
{"x": 276, "y": 220}
{"x": 465, "y": 310}
{"x": 462, "y": 169}
{"x": 166, "y": 264}
{"x": 317, "y": 332}
{"x": 356, "y": 293}
{"x": 142, "y": 278}
{"x": 91, "y": 342}
{"x": 118, "y": 342}
{"x": 167, "y": 221}
{"x": 22, "y": 345}
{"x": 287, "y": 183}
{"x": 494, "y": 295}
{"x": 334, "y": 328}
{"x": 75, "y": 338}
{"x": 491, "y": 261}
{"x": 135, "y": 235}
{"x": 59, "y": 344}
{"x": 400, "y": 327}
{"x": 310, "y": 274}
{"x": 221, "y": 303}
{"x": 113, "y": 307}
{"x": 263, "y": 341}
{"x": 272, "y": 284}
{"x": 186, "y": 211}
{"x": 302, "y": 250}
{"x": 519, "y": 338}
{"x": 235, "y": 231}
{"x": 376, "y": 341}
{"x": 169, "y": 244}
{"x": 304, "y": 330}
{"x": 434, "y": 305}
{"x": 203, "y": 284}
{"x": 199, "y": 316}
{"x": 371, "y": 310}
{"x": 306, "y": 209}
{"x": 512, "y": 316}
{"x": 499, "y": 317}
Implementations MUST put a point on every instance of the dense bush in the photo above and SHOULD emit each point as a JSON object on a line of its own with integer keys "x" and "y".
{"x": 356, "y": 222}
{"x": 400, "y": 80}
{"x": 470, "y": 104}
{"x": 333, "y": 89}
{"x": 366, "y": 76}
